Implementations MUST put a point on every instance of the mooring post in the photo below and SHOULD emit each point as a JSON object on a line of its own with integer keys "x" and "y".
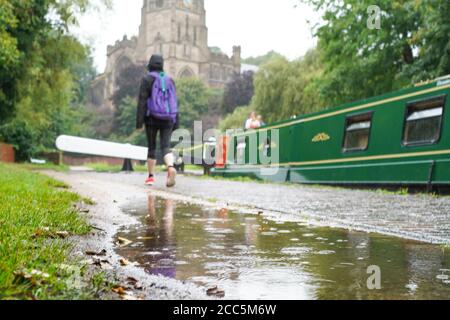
{"x": 127, "y": 165}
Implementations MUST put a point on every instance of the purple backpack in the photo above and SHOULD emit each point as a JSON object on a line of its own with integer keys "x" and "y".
{"x": 163, "y": 103}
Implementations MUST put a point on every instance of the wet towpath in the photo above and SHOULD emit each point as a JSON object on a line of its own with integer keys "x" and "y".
{"x": 249, "y": 256}
{"x": 417, "y": 217}
{"x": 207, "y": 233}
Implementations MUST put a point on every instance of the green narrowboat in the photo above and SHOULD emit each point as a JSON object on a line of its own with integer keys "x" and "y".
{"x": 400, "y": 138}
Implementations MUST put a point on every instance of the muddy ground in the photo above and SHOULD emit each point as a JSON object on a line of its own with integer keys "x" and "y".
{"x": 417, "y": 217}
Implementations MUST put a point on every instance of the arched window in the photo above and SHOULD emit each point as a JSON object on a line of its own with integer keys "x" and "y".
{"x": 187, "y": 26}
{"x": 195, "y": 36}
{"x": 186, "y": 73}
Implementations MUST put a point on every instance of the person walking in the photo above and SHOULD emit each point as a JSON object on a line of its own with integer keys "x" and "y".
{"x": 158, "y": 111}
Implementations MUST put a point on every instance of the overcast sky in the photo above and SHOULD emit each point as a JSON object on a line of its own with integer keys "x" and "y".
{"x": 257, "y": 25}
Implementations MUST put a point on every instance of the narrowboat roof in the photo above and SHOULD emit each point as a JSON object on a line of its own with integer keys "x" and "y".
{"x": 443, "y": 82}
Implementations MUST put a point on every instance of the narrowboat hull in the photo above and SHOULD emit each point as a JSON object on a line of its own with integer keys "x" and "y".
{"x": 312, "y": 149}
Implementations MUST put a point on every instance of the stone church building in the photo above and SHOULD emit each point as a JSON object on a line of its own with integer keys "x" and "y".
{"x": 177, "y": 30}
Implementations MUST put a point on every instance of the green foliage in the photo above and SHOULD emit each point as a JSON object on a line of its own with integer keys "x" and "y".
{"x": 214, "y": 113}
{"x": 105, "y": 167}
{"x": 193, "y": 97}
{"x": 31, "y": 210}
{"x": 260, "y": 60}
{"x": 137, "y": 138}
{"x": 126, "y": 117}
{"x": 128, "y": 83}
{"x": 47, "y": 94}
{"x": 9, "y": 53}
{"x": 52, "y": 167}
{"x": 19, "y": 134}
{"x": 235, "y": 120}
{"x": 284, "y": 89}
{"x": 83, "y": 73}
{"x": 413, "y": 44}
{"x": 44, "y": 77}
{"x": 26, "y": 27}
{"x": 21, "y": 25}
{"x": 238, "y": 92}
{"x": 432, "y": 41}
{"x": 353, "y": 61}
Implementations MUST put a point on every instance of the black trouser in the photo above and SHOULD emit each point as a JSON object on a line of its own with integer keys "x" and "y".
{"x": 165, "y": 137}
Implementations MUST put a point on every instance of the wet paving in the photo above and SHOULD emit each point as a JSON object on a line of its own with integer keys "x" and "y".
{"x": 257, "y": 257}
{"x": 419, "y": 217}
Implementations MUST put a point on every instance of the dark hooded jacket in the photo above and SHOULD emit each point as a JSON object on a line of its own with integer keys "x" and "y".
{"x": 156, "y": 64}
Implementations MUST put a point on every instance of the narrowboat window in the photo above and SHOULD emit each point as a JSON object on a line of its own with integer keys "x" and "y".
{"x": 235, "y": 147}
{"x": 268, "y": 148}
{"x": 423, "y": 122}
{"x": 268, "y": 145}
{"x": 241, "y": 146}
{"x": 357, "y": 132}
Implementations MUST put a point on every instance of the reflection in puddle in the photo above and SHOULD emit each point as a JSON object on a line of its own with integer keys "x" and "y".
{"x": 255, "y": 258}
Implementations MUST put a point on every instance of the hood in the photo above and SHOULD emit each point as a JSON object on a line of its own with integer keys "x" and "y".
{"x": 156, "y": 63}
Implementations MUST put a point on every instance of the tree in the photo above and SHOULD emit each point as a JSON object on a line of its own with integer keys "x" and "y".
{"x": 126, "y": 117}
{"x": 412, "y": 44}
{"x": 260, "y": 60}
{"x": 19, "y": 134}
{"x": 128, "y": 83}
{"x": 42, "y": 90}
{"x": 24, "y": 26}
{"x": 21, "y": 23}
{"x": 238, "y": 92}
{"x": 9, "y": 53}
{"x": 214, "y": 113}
{"x": 47, "y": 95}
{"x": 84, "y": 73}
{"x": 284, "y": 89}
{"x": 432, "y": 41}
{"x": 193, "y": 97}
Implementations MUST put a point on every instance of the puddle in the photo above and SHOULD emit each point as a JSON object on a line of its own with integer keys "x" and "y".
{"x": 251, "y": 257}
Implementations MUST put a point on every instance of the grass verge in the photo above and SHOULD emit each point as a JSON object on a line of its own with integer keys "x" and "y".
{"x": 47, "y": 166}
{"x": 104, "y": 167}
{"x": 36, "y": 215}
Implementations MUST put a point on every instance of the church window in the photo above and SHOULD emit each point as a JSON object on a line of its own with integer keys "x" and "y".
{"x": 187, "y": 25}
{"x": 195, "y": 36}
{"x": 159, "y": 3}
{"x": 186, "y": 73}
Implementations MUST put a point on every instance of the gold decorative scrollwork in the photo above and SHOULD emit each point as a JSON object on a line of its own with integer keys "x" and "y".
{"x": 321, "y": 137}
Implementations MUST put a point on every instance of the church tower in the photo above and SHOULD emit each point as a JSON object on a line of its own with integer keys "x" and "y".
{"x": 177, "y": 30}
